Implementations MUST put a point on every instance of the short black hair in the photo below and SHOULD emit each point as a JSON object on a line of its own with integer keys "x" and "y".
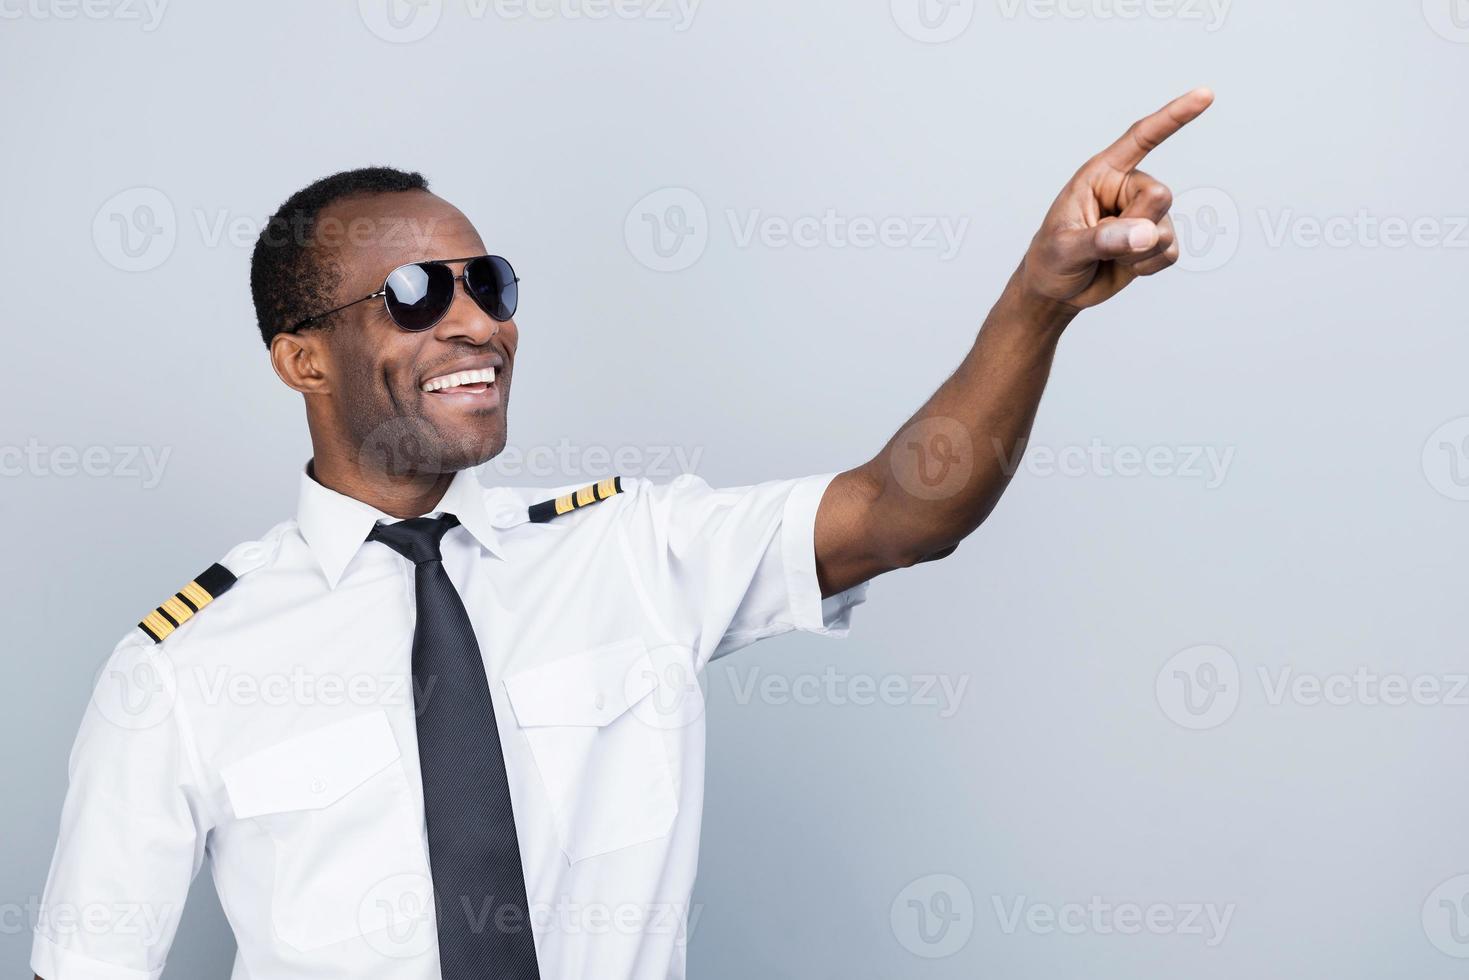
{"x": 289, "y": 279}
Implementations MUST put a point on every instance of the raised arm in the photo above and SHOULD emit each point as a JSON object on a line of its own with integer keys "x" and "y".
{"x": 943, "y": 472}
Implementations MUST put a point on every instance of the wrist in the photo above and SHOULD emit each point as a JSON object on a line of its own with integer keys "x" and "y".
{"x": 1035, "y": 310}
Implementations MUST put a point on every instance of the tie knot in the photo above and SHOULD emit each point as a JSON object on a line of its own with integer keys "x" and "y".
{"x": 416, "y": 539}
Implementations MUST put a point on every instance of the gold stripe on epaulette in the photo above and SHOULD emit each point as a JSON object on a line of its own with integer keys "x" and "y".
{"x": 155, "y": 624}
{"x": 566, "y": 503}
{"x": 181, "y": 607}
{"x": 196, "y": 595}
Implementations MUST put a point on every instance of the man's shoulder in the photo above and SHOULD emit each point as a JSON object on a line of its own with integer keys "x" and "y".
{"x": 221, "y": 584}
{"x": 681, "y": 497}
{"x": 607, "y": 499}
{"x": 564, "y": 504}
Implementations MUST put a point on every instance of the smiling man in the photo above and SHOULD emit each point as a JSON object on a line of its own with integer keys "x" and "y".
{"x": 435, "y": 727}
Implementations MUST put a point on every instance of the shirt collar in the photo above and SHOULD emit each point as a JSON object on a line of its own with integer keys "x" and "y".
{"x": 336, "y": 525}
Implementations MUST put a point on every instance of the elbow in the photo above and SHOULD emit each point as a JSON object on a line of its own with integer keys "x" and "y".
{"x": 943, "y": 552}
{"x": 918, "y": 556}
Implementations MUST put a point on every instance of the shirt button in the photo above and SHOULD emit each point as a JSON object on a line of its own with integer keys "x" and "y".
{"x": 600, "y": 702}
{"x": 318, "y": 785}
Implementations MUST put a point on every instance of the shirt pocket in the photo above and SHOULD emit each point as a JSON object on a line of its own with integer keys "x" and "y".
{"x": 337, "y": 805}
{"x": 605, "y": 768}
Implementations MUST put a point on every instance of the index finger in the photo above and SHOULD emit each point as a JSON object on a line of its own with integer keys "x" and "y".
{"x": 1147, "y": 133}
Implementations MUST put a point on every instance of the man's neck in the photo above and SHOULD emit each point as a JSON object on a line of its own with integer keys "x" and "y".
{"x": 398, "y": 496}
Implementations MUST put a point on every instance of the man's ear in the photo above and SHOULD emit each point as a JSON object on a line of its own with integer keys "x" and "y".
{"x": 299, "y": 360}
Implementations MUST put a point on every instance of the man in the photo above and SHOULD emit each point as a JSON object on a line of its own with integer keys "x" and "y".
{"x": 434, "y": 728}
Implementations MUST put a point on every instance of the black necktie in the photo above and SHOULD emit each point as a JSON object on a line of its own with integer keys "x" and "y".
{"x": 479, "y": 887}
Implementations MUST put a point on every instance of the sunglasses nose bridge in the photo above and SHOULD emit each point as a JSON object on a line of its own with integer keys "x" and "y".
{"x": 470, "y": 325}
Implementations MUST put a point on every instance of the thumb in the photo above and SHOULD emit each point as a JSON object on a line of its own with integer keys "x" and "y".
{"x": 1111, "y": 238}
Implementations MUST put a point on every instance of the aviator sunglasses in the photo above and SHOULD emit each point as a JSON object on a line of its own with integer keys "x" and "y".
{"x": 418, "y": 295}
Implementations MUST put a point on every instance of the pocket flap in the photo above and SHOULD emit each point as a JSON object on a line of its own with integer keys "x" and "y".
{"x": 312, "y": 770}
{"x": 590, "y": 688}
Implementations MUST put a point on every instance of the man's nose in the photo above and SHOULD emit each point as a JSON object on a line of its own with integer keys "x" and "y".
{"x": 465, "y": 320}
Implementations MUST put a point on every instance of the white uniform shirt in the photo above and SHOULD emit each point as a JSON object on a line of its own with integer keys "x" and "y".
{"x": 274, "y": 732}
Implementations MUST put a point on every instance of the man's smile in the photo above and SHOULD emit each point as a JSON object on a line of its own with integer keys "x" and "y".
{"x": 470, "y": 387}
{"x": 476, "y": 380}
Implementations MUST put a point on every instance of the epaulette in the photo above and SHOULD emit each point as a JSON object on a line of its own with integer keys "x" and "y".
{"x": 209, "y": 585}
{"x": 566, "y": 503}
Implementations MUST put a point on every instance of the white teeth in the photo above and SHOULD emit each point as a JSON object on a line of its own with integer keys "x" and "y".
{"x": 483, "y": 376}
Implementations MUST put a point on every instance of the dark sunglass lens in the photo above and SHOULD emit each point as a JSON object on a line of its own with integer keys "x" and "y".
{"x": 492, "y": 283}
{"x": 419, "y": 295}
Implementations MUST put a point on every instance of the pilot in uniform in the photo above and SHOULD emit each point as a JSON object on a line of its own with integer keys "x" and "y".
{"x": 471, "y": 743}
{"x": 271, "y": 713}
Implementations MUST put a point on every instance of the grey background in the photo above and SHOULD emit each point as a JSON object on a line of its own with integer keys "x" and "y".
{"x": 1332, "y": 542}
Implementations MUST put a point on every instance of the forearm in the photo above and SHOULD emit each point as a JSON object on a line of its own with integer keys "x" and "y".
{"x": 945, "y": 469}
{"x": 942, "y": 474}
